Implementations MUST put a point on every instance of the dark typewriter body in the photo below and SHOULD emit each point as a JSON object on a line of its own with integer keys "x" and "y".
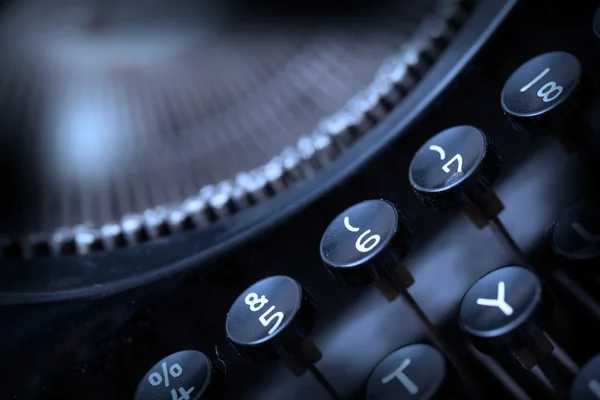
{"x": 90, "y": 326}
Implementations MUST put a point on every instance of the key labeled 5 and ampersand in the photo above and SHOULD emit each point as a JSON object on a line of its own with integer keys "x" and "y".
{"x": 272, "y": 314}
{"x": 272, "y": 320}
{"x": 256, "y": 303}
{"x": 263, "y": 309}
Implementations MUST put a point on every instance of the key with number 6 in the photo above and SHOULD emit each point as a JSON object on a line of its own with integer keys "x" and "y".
{"x": 367, "y": 243}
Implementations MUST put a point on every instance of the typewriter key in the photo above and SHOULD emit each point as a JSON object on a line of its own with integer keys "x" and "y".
{"x": 413, "y": 372}
{"x": 546, "y": 95}
{"x": 367, "y": 243}
{"x": 506, "y": 310}
{"x": 456, "y": 169}
{"x": 272, "y": 320}
{"x": 185, "y": 375}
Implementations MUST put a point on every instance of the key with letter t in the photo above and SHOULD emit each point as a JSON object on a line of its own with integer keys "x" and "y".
{"x": 405, "y": 380}
{"x": 413, "y": 372}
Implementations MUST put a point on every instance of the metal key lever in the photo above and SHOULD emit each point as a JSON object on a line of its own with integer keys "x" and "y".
{"x": 413, "y": 371}
{"x": 557, "y": 370}
{"x": 456, "y": 169}
{"x": 367, "y": 243}
{"x": 272, "y": 320}
{"x": 487, "y": 210}
{"x": 505, "y": 313}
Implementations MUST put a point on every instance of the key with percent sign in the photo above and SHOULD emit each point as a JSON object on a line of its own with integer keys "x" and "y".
{"x": 184, "y": 375}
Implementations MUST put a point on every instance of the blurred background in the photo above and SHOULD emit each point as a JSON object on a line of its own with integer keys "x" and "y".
{"x": 114, "y": 107}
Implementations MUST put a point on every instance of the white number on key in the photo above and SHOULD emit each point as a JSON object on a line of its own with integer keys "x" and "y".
{"x": 252, "y": 299}
{"x": 550, "y": 91}
{"x": 266, "y": 322}
{"x": 362, "y": 247}
{"x": 553, "y": 88}
{"x": 458, "y": 159}
{"x": 442, "y": 153}
{"x": 360, "y": 244}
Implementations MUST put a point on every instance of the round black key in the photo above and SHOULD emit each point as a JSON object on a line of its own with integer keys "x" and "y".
{"x": 454, "y": 168}
{"x": 270, "y": 318}
{"x": 414, "y": 372}
{"x": 586, "y": 385}
{"x": 185, "y": 375}
{"x": 505, "y": 310}
{"x": 576, "y": 232}
{"x": 365, "y": 242}
{"x": 541, "y": 84}
{"x": 545, "y": 95}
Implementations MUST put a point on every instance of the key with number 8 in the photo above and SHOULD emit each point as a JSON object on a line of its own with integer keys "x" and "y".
{"x": 546, "y": 95}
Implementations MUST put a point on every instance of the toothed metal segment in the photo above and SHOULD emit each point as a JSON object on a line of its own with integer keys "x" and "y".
{"x": 204, "y": 122}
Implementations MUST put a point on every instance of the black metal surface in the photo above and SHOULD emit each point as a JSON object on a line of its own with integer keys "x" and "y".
{"x": 99, "y": 347}
{"x": 97, "y": 274}
{"x": 133, "y": 113}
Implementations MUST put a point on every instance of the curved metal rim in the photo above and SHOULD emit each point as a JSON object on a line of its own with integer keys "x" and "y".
{"x": 335, "y": 134}
{"x": 484, "y": 21}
